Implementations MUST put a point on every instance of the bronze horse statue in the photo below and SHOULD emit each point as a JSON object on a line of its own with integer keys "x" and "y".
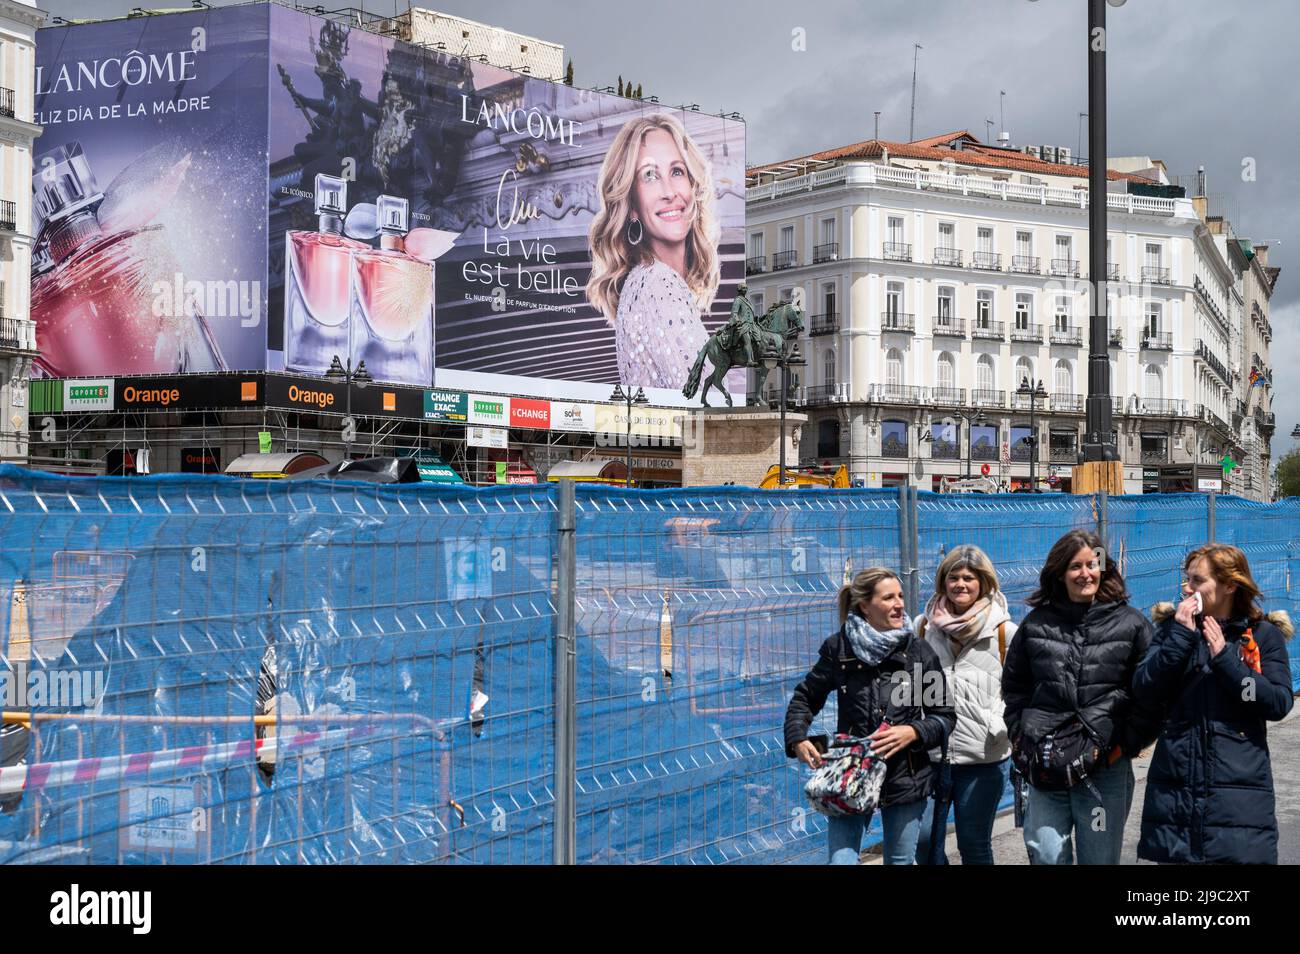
{"x": 779, "y": 328}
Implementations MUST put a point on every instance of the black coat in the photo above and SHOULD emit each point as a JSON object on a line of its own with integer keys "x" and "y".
{"x": 867, "y": 696}
{"x": 1210, "y": 787}
{"x": 1078, "y": 659}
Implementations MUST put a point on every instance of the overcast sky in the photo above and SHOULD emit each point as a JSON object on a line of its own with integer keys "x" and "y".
{"x": 1192, "y": 82}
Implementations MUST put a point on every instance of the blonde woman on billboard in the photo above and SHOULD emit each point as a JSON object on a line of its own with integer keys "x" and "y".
{"x": 654, "y": 266}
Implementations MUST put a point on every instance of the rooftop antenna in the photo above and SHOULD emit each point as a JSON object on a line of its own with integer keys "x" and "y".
{"x": 877, "y": 135}
{"x": 1078, "y": 146}
{"x": 988, "y": 134}
{"x": 1002, "y": 112}
{"x": 911, "y": 126}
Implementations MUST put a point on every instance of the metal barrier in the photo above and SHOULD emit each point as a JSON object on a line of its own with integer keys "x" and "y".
{"x": 317, "y": 672}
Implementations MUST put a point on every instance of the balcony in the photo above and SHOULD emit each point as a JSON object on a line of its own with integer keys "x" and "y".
{"x": 1020, "y": 402}
{"x": 12, "y": 337}
{"x": 990, "y": 330}
{"x": 948, "y": 397}
{"x": 756, "y": 265}
{"x": 1112, "y": 272}
{"x": 1155, "y": 455}
{"x": 984, "y": 397}
{"x": 898, "y": 252}
{"x": 1063, "y": 454}
{"x": 830, "y": 252}
{"x": 1116, "y": 403}
{"x": 786, "y": 259}
{"x": 1067, "y": 335}
{"x": 1209, "y": 417}
{"x": 945, "y": 450}
{"x": 986, "y": 261}
{"x": 820, "y": 394}
{"x": 1067, "y": 402}
{"x": 947, "y": 256}
{"x": 1203, "y": 294}
{"x": 896, "y": 394}
{"x": 1213, "y": 362}
{"x": 946, "y": 327}
{"x": 897, "y": 321}
{"x": 1027, "y": 332}
{"x": 8, "y": 216}
{"x": 1065, "y": 268}
{"x": 824, "y": 324}
{"x": 892, "y": 447}
{"x": 1156, "y": 275}
{"x": 1025, "y": 264}
{"x": 1117, "y": 337}
{"x": 6, "y": 102}
{"x": 1158, "y": 342}
{"x": 1160, "y": 407}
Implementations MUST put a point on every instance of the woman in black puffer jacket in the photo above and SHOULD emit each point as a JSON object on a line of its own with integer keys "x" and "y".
{"x": 882, "y": 673}
{"x": 1066, "y": 686}
{"x": 1223, "y": 674}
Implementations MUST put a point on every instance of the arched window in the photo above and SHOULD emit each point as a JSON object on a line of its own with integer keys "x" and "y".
{"x": 894, "y": 368}
{"x": 828, "y": 367}
{"x": 947, "y": 371}
{"x": 1154, "y": 385}
{"x": 1024, "y": 372}
{"x": 985, "y": 373}
{"x": 1063, "y": 379}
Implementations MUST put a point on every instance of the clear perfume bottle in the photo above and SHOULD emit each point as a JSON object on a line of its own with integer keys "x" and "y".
{"x": 94, "y": 297}
{"x": 392, "y": 295}
{"x": 316, "y": 284}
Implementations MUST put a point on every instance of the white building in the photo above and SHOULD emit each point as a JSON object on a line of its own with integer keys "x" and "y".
{"x": 940, "y": 274}
{"x": 18, "y": 23}
{"x": 462, "y": 37}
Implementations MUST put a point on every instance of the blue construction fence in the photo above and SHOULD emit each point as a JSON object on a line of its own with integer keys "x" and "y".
{"x": 209, "y": 670}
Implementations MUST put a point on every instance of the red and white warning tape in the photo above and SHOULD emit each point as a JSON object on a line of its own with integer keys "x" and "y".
{"x": 167, "y": 764}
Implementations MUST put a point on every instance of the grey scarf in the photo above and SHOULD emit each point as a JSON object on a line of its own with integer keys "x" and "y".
{"x": 869, "y": 644}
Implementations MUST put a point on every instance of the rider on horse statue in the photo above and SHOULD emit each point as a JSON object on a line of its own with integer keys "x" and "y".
{"x": 743, "y": 326}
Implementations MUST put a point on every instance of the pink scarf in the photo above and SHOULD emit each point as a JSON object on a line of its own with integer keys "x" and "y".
{"x": 960, "y": 630}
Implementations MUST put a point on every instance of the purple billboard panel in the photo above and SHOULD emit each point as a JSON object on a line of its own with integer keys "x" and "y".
{"x": 149, "y": 201}
{"x": 454, "y": 223}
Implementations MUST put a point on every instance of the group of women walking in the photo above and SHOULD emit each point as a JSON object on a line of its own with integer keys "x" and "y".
{"x": 1064, "y": 702}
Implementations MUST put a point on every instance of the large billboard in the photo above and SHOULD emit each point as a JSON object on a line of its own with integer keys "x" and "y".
{"x": 451, "y": 224}
{"x": 149, "y": 195}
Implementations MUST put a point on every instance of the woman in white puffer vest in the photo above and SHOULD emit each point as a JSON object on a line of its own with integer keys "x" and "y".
{"x": 967, "y": 624}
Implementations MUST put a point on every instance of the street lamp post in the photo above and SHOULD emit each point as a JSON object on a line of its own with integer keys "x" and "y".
{"x": 975, "y": 418}
{"x": 348, "y": 376}
{"x": 778, "y": 359}
{"x": 1033, "y": 393}
{"x": 629, "y": 401}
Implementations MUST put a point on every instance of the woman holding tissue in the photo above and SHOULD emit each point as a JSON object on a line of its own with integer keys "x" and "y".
{"x": 890, "y": 687}
{"x": 1219, "y": 667}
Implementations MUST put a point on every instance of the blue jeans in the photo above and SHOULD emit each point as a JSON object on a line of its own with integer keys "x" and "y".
{"x": 901, "y": 823}
{"x": 976, "y": 791}
{"x": 1098, "y": 827}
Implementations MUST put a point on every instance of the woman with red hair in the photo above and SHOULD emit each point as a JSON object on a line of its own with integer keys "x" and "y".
{"x": 1219, "y": 667}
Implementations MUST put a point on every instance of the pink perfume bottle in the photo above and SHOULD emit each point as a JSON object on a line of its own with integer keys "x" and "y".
{"x": 316, "y": 284}
{"x": 393, "y": 302}
{"x": 94, "y": 293}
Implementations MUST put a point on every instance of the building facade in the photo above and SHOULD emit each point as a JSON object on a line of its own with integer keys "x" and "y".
{"x": 462, "y": 37}
{"x": 940, "y": 275}
{"x": 18, "y": 23}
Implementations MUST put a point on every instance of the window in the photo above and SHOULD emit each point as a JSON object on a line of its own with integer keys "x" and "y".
{"x": 756, "y": 299}
{"x": 1063, "y": 315}
{"x": 828, "y": 232}
{"x": 947, "y": 367}
{"x": 1155, "y": 448}
{"x": 755, "y": 244}
{"x": 828, "y": 438}
{"x": 1153, "y": 316}
{"x": 984, "y": 239}
{"x": 1154, "y": 386}
{"x": 894, "y": 368}
{"x": 1063, "y": 247}
{"x": 895, "y": 229}
{"x": 787, "y": 238}
{"x": 984, "y": 442}
{"x": 893, "y": 439}
{"x": 944, "y": 441}
{"x": 947, "y": 236}
{"x": 786, "y": 294}
{"x": 1020, "y": 446}
{"x": 985, "y": 376}
{"x": 828, "y": 298}
{"x": 1024, "y": 371}
{"x": 984, "y": 308}
{"x": 1025, "y": 244}
{"x": 1063, "y": 378}
{"x": 828, "y": 367}
{"x": 894, "y": 299}
{"x": 945, "y": 309}
{"x": 1153, "y": 255}
{"x": 1024, "y": 309}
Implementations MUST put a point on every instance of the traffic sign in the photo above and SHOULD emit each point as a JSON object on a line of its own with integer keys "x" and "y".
{"x": 984, "y": 469}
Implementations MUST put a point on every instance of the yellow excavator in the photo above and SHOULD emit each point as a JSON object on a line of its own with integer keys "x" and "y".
{"x": 804, "y": 479}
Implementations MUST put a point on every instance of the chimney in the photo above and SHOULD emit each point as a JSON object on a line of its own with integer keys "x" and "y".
{"x": 1201, "y": 204}
{"x": 1261, "y": 255}
{"x": 1004, "y": 139}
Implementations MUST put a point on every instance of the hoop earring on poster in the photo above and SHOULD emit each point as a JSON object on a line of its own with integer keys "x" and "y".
{"x": 640, "y": 232}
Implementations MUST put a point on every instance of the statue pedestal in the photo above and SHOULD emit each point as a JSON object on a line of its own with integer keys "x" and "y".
{"x": 736, "y": 444}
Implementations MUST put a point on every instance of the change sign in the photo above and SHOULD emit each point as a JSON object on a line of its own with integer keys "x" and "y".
{"x": 446, "y": 406}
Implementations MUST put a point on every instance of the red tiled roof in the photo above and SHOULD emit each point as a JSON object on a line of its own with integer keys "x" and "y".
{"x": 972, "y": 153}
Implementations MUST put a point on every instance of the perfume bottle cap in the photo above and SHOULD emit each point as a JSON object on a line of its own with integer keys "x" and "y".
{"x": 393, "y": 213}
{"x": 331, "y": 194}
{"x": 63, "y": 183}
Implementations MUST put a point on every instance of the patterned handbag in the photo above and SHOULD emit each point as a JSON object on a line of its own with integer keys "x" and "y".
{"x": 850, "y": 779}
